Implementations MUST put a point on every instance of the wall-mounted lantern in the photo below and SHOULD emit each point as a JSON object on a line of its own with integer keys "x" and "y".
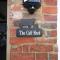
{"x": 32, "y": 5}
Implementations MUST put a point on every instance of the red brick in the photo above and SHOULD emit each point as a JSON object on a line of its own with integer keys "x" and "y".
{"x": 22, "y": 56}
{"x": 16, "y": 53}
{"x": 45, "y": 40}
{"x": 12, "y": 32}
{"x": 41, "y": 48}
{"x": 26, "y": 48}
{"x": 49, "y": 10}
{"x": 52, "y": 33}
{"x": 41, "y": 40}
{"x": 49, "y": 25}
{"x": 51, "y": 2}
{"x": 27, "y": 57}
{"x": 13, "y": 56}
{"x": 41, "y": 56}
{"x": 16, "y": 7}
{"x": 50, "y": 18}
{"x": 18, "y": 49}
{"x": 52, "y": 41}
{"x": 21, "y": 40}
{"x": 53, "y": 57}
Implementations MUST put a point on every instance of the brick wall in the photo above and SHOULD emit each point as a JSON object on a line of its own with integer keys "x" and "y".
{"x": 34, "y": 48}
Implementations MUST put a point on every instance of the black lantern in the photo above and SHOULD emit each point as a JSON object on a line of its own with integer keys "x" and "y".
{"x": 32, "y": 5}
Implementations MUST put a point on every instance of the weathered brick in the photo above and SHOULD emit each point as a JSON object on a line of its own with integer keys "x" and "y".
{"x": 53, "y": 57}
{"x": 13, "y": 56}
{"x": 22, "y": 56}
{"x": 51, "y": 33}
{"x": 27, "y": 56}
{"x": 55, "y": 48}
{"x": 41, "y": 40}
{"x": 11, "y": 25}
{"x": 45, "y": 40}
{"x": 49, "y": 10}
{"x": 50, "y": 17}
{"x": 29, "y": 50}
{"x": 51, "y": 2}
{"x": 49, "y": 25}
{"x": 26, "y": 48}
{"x": 12, "y": 32}
{"x": 16, "y": 7}
{"x": 41, "y": 48}
{"x": 21, "y": 40}
{"x": 52, "y": 41}
{"x": 17, "y": 50}
{"x": 41, "y": 56}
